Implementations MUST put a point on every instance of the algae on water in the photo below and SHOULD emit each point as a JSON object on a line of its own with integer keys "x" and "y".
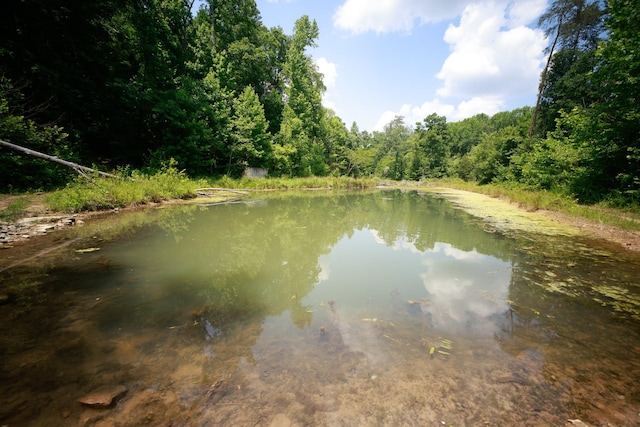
{"x": 501, "y": 214}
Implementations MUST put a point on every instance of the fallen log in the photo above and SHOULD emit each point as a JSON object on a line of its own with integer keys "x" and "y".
{"x": 203, "y": 191}
{"x": 78, "y": 168}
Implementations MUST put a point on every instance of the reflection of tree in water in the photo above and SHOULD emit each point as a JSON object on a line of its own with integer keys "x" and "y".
{"x": 263, "y": 259}
{"x": 424, "y": 221}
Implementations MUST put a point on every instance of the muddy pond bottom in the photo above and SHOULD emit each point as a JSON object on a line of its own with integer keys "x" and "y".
{"x": 373, "y": 309}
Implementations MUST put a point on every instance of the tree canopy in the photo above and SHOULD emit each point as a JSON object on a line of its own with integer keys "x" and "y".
{"x": 144, "y": 82}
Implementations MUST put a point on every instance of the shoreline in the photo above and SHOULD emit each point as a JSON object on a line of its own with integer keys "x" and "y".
{"x": 38, "y": 221}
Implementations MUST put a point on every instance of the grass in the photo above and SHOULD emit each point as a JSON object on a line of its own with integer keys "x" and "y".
{"x": 108, "y": 193}
{"x": 137, "y": 188}
{"x": 15, "y": 209}
{"x": 330, "y": 182}
{"x": 628, "y": 219}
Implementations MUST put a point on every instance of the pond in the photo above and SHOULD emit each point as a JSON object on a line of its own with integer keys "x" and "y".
{"x": 319, "y": 308}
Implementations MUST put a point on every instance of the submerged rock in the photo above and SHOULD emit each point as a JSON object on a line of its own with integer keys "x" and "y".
{"x": 104, "y": 396}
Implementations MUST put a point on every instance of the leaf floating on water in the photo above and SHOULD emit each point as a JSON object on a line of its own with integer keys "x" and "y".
{"x": 446, "y": 346}
{"x": 86, "y": 251}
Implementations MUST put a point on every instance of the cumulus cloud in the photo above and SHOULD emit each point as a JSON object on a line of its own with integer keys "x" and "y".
{"x": 489, "y": 57}
{"x": 384, "y": 16}
{"x": 494, "y": 56}
{"x": 329, "y": 71}
{"x": 412, "y": 114}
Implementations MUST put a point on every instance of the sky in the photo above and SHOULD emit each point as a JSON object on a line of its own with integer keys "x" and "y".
{"x": 455, "y": 58}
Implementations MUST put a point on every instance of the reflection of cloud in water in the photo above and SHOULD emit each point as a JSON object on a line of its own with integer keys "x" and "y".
{"x": 324, "y": 261}
{"x": 400, "y": 243}
{"x": 466, "y": 288}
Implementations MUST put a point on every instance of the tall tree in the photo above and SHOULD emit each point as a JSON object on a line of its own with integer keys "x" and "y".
{"x": 433, "y": 140}
{"x": 614, "y": 137}
{"x": 303, "y": 111}
{"x": 568, "y": 24}
{"x": 251, "y": 143}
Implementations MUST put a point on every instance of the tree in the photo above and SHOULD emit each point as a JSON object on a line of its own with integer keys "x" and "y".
{"x": 570, "y": 24}
{"x": 391, "y": 147}
{"x": 18, "y": 171}
{"x": 303, "y": 111}
{"x": 467, "y": 133}
{"x": 614, "y": 134}
{"x": 569, "y": 84}
{"x": 251, "y": 143}
{"x": 433, "y": 140}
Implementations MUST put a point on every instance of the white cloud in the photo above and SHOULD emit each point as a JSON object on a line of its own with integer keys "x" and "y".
{"x": 523, "y": 12}
{"x": 383, "y": 16}
{"x": 465, "y": 288}
{"x": 329, "y": 71}
{"x": 494, "y": 57}
{"x": 488, "y": 57}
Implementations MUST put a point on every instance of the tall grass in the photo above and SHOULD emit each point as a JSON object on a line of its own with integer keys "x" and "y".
{"x": 136, "y": 188}
{"x": 330, "y": 182}
{"x": 99, "y": 193}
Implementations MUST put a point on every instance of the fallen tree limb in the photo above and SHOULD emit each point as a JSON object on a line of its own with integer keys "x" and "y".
{"x": 78, "y": 168}
{"x": 202, "y": 191}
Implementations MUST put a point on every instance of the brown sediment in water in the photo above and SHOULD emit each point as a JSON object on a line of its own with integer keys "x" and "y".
{"x": 349, "y": 366}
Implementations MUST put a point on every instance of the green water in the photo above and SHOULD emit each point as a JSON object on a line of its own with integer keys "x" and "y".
{"x": 353, "y": 308}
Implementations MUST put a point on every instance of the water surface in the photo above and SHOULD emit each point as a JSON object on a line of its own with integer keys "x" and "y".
{"x": 355, "y": 308}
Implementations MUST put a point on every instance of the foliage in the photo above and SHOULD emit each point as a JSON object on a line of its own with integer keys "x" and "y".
{"x": 19, "y": 171}
{"x": 135, "y": 188}
{"x": 118, "y": 83}
{"x": 15, "y": 209}
{"x": 251, "y": 143}
{"x": 328, "y": 182}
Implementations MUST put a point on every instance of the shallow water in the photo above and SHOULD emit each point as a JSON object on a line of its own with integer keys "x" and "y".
{"x": 355, "y": 308}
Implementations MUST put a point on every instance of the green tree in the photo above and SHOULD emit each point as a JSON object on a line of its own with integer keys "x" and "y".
{"x": 467, "y": 133}
{"x": 614, "y": 135}
{"x": 251, "y": 143}
{"x": 572, "y": 25}
{"x": 391, "y": 146}
{"x": 303, "y": 111}
{"x": 433, "y": 140}
{"x": 20, "y": 171}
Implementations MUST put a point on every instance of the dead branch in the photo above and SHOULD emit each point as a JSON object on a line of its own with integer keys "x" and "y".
{"x": 202, "y": 191}
{"x": 76, "y": 167}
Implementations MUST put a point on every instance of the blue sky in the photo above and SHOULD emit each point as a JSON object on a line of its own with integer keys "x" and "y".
{"x": 456, "y": 58}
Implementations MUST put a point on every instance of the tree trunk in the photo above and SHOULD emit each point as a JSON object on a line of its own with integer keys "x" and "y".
{"x": 78, "y": 168}
{"x": 543, "y": 80}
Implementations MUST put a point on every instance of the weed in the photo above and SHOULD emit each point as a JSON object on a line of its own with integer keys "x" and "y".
{"x": 15, "y": 209}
